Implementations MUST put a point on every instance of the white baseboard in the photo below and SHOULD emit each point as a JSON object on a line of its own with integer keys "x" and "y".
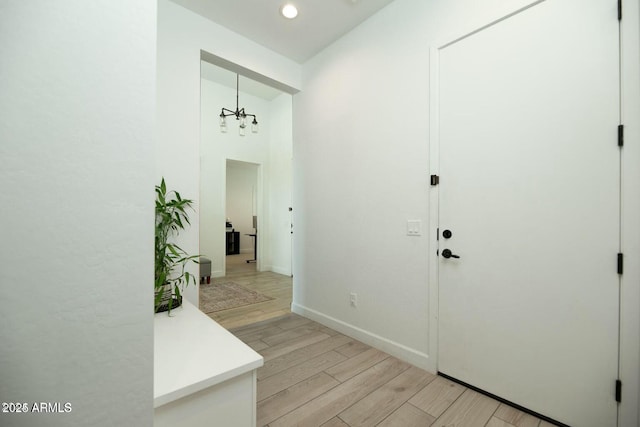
{"x": 402, "y": 352}
{"x": 281, "y": 270}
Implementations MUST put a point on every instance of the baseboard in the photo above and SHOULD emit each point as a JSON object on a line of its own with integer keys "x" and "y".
{"x": 402, "y": 352}
{"x": 281, "y": 270}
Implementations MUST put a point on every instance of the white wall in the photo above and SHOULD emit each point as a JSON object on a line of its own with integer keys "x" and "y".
{"x": 76, "y": 165}
{"x": 361, "y": 170}
{"x": 181, "y": 36}
{"x": 280, "y": 158}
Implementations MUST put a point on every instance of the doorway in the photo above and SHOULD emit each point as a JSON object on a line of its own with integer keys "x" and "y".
{"x": 245, "y": 194}
{"x": 270, "y": 148}
{"x": 241, "y": 208}
{"x": 529, "y": 218}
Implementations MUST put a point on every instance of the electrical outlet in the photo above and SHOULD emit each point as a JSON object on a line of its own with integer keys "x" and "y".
{"x": 353, "y": 299}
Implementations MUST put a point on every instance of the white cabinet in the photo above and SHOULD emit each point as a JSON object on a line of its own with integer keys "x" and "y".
{"x": 203, "y": 375}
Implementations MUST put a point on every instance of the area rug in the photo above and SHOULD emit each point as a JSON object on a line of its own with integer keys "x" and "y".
{"x": 227, "y": 295}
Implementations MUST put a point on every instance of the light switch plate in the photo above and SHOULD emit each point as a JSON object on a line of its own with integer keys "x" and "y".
{"x": 414, "y": 227}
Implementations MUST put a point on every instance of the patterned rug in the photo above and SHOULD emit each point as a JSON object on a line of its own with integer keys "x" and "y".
{"x": 224, "y": 296}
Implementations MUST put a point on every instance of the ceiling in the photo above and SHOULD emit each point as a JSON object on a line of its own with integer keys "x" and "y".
{"x": 318, "y": 24}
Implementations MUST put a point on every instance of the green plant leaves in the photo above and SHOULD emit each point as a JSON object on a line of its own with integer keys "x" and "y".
{"x": 170, "y": 259}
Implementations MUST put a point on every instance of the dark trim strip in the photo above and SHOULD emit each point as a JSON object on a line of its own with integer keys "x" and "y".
{"x": 620, "y": 135}
{"x": 619, "y": 10}
{"x": 505, "y": 401}
{"x": 620, "y": 263}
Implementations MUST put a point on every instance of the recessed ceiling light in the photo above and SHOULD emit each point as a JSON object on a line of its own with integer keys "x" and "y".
{"x": 289, "y": 11}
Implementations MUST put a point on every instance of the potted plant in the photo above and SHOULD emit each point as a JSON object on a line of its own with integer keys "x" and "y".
{"x": 170, "y": 260}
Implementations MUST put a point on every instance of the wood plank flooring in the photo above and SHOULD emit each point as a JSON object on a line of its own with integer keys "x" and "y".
{"x": 314, "y": 376}
{"x": 271, "y": 284}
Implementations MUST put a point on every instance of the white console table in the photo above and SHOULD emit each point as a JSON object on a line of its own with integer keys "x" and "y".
{"x": 203, "y": 375}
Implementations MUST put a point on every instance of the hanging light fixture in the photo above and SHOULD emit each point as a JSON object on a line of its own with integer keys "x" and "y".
{"x": 239, "y": 114}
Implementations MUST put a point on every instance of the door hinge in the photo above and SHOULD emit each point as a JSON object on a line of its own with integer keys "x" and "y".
{"x": 620, "y": 263}
{"x": 435, "y": 180}
{"x": 619, "y": 10}
{"x": 618, "y": 391}
{"x": 620, "y": 135}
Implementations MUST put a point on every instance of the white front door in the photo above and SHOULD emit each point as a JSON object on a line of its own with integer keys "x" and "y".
{"x": 530, "y": 192}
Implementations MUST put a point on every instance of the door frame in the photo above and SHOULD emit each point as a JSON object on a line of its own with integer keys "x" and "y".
{"x": 629, "y": 351}
{"x": 258, "y": 200}
{"x": 629, "y": 414}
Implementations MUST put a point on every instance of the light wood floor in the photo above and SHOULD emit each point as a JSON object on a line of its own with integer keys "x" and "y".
{"x": 314, "y": 376}
{"x": 271, "y": 284}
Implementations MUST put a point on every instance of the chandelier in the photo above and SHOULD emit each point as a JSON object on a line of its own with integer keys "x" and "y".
{"x": 239, "y": 114}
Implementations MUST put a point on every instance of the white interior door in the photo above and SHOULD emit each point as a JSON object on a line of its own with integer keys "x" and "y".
{"x": 529, "y": 189}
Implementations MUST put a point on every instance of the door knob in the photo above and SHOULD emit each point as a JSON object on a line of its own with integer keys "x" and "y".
{"x": 448, "y": 254}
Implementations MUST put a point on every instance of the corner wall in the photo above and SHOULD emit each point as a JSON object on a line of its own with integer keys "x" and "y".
{"x": 77, "y": 108}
